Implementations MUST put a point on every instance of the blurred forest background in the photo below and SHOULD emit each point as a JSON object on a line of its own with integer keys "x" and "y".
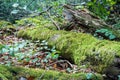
{"x": 12, "y": 10}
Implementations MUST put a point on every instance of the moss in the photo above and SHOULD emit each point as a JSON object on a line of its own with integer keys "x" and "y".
{"x": 37, "y": 21}
{"x": 38, "y": 74}
{"x": 5, "y": 73}
{"x": 7, "y": 27}
{"x": 2, "y": 77}
{"x": 4, "y": 23}
{"x": 78, "y": 47}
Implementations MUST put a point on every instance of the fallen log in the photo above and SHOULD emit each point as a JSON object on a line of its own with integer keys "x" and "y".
{"x": 79, "y": 48}
{"x": 86, "y": 21}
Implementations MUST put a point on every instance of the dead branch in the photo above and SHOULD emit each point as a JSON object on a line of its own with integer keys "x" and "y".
{"x": 57, "y": 26}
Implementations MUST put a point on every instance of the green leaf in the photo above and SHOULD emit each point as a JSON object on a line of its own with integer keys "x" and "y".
{"x": 48, "y": 56}
{"x": 4, "y": 50}
{"x": 6, "y": 57}
{"x": 112, "y": 37}
{"x": 8, "y": 63}
{"x": 14, "y": 11}
{"x": 35, "y": 60}
{"x": 107, "y": 34}
{"x": 89, "y": 75}
{"x": 55, "y": 56}
{"x": 27, "y": 59}
{"x": 69, "y": 70}
{"x": 45, "y": 60}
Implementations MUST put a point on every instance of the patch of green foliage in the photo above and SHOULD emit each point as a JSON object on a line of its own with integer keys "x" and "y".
{"x": 14, "y": 50}
{"x": 100, "y": 7}
{"x": 104, "y": 34}
{"x": 117, "y": 25}
{"x": 14, "y": 73}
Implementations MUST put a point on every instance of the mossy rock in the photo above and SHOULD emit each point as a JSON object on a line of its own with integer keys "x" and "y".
{"x": 14, "y": 73}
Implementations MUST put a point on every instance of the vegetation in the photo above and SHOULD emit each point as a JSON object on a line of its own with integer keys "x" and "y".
{"x": 59, "y": 39}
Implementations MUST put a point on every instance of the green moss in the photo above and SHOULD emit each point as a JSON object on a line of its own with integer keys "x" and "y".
{"x": 37, "y": 21}
{"x": 5, "y": 73}
{"x": 4, "y": 23}
{"x": 2, "y": 77}
{"x": 78, "y": 47}
{"x": 38, "y": 74}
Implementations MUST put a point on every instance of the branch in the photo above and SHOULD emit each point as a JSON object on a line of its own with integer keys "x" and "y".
{"x": 46, "y": 11}
{"x": 57, "y": 26}
{"x": 40, "y": 13}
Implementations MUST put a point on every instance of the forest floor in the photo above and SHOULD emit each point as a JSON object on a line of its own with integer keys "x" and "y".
{"x": 33, "y": 54}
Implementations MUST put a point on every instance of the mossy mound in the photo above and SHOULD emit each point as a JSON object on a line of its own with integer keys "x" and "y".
{"x": 6, "y": 28}
{"x": 15, "y": 73}
{"x": 39, "y": 20}
{"x": 5, "y": 24}
{"x": 77, "y": 47}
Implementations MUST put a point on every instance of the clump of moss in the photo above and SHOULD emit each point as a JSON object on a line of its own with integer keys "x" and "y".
{"x": 4, "y": 23}
{"x": 38, "y": 74}
{"x": 2, "y": 77}
{"x": 5, "y": 74}
{"x": 37, "y": 21}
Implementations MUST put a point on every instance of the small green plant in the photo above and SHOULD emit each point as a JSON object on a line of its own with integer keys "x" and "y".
{"x": 101, "y": 7}
{"x": 89, "y": 76}
{"x": 12, "y": 49}
{"x": 29, "y": 53}
{"x": 51, "y": 52}
{"x": 104, "y": 34}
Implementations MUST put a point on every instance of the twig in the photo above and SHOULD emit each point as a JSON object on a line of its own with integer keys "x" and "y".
{"x": 69, "y": 63}
{"x": 62, "y": 61}
{"x": 40, "y": 13}
{"x": 46, "y": 11}
{"x": 53, "y": 20}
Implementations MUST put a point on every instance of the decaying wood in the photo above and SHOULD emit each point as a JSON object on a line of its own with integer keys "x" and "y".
{"x": 84, "y": 19}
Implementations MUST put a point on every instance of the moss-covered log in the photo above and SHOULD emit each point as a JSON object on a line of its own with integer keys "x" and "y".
{"x": 77, "y": 47}
{"x": 15, "y": 73}
{"x": 87, "y": 21}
